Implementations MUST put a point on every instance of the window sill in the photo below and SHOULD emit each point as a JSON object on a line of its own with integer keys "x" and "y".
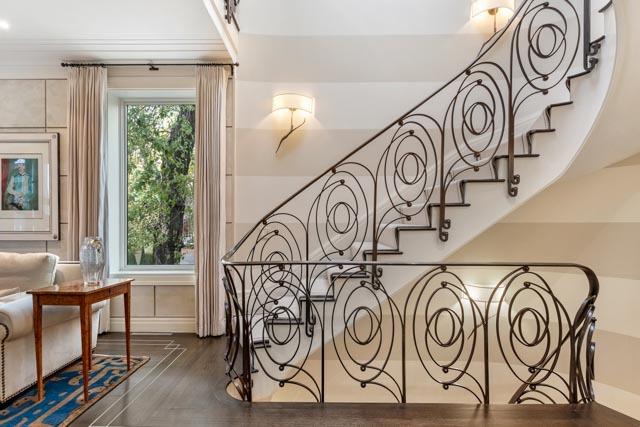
{"x": 159, "y": 272}
{"x": 158, "y": 277}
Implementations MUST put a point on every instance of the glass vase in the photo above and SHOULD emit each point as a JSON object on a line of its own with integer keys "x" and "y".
{"x": 92, "y": 260}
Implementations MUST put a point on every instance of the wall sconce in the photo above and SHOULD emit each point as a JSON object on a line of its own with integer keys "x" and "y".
{"x": 492, "y": 7}
{"x": 292, "y": 102}
{"x": 481, "y": 293}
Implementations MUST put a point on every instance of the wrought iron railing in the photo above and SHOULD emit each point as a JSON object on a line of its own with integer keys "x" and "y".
{"x": 231, "y": 12}
{"x": 471, "y": 129}
{"x": 535, "y": 320}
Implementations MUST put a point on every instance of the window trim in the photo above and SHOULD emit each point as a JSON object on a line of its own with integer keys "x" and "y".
{"x": 121, "y": 267}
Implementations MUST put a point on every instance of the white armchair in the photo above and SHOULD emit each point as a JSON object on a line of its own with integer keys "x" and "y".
{"x": 61, "y": 325}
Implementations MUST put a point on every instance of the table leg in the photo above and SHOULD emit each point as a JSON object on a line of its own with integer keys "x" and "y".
{"x": 37, "y": 333}
{"x": 127, "y": 323}
{"x": 85, "y": 327}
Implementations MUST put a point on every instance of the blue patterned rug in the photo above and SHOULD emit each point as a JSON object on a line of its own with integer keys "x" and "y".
{"x": 63, "y": 401}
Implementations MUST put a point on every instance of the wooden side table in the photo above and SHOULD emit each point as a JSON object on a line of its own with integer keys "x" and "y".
{"x": 76, "y": 293}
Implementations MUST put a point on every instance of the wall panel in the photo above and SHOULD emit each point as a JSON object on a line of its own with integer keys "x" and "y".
{"x": 22, "y": 103}
{"x": 39, "y": 106}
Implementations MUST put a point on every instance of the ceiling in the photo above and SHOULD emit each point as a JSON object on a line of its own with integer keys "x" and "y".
{"x": 44, "y": 32}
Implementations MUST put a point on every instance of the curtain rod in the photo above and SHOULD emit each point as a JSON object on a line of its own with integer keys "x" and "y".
{"x": 152, "y": 66}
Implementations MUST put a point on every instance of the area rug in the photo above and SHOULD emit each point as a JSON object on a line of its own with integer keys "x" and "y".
{"x": 63, "y": 398}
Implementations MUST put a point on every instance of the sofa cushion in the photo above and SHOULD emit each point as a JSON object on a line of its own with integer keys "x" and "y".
{"x": 67, "y": 271}
{"x": 16, "y": 313}
{"x": 27, "y": 271}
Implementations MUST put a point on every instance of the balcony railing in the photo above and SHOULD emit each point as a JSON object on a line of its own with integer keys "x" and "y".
{"x": 532, "y": 326}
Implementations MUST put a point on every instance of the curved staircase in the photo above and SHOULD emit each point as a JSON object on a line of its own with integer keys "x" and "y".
{"x": 342, "y": 260}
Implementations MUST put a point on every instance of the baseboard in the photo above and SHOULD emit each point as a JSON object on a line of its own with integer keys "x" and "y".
{"x": 156, "y": 324}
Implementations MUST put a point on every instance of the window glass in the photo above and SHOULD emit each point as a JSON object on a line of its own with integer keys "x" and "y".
{"x": 160, "y": 171}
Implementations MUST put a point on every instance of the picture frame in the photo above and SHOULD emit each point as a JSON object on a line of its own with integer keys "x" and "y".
{"x": 29, "y": 203}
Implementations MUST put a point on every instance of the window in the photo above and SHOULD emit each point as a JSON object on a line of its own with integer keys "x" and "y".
{"x": 159, "y": 148}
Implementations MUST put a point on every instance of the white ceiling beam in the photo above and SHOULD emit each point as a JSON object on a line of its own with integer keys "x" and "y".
{"x": 228, "y": 32}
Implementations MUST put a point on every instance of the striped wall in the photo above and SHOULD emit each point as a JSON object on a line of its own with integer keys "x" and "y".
{"x": 595, "y": 221}
{"x": 365, "y": 63}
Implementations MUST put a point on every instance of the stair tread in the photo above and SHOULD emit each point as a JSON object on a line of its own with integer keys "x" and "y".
{"x": 348, "y": 271}
{"x": 290, "y": 303}
{"x": 320, "y": 288}
{"x": 559, "y": 104}
{"x": 481, "y": 180}
{"x": 257, "y": 331}
{"x": 542, "y": 130}
{"x": 367, "y": 246}
{"x": 580, "y": 74}
{"x": 367, "y": 249}
{"x": 401, "y": 226}
{"x": 518, "y": 156}
{"x": 451, "y": 205}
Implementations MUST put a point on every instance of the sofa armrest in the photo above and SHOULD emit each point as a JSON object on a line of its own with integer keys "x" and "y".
{"x": 4, "y": 334}
{"x": 17, "y": 315}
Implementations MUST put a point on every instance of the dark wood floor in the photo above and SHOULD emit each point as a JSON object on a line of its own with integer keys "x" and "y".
{"x": 184, "y": 385}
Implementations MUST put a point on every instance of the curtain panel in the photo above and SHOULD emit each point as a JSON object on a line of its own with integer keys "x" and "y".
{"x": 211, "y": 88}
{"x": 87, "y": 179}
{"x": 87, "y": 91}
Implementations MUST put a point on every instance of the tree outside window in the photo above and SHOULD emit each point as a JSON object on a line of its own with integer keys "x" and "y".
{"x": 160, "y": 173}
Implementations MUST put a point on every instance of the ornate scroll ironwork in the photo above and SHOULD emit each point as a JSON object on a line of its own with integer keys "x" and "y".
{"x": 436, "y": 327}
{"x": 308, "y": 272}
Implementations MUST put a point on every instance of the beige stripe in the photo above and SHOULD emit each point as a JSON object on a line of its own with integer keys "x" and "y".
{"x": 583, "y": 243}
{"x": 349, "y": 17}
{"x": 308, "y": 153}
{"x": 617, "y": 359}
{"x": 631, "y": 161}
{"x": 363, "y": 105}
{"x": 355, "y": 58}
{"x": 607, "y": 196}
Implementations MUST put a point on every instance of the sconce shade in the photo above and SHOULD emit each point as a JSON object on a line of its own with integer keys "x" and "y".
{"x": 481, "y": 6}
{"x": 293, "y": 101}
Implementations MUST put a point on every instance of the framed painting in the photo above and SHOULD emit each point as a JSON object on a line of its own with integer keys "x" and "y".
{"x": 29, "y": 186}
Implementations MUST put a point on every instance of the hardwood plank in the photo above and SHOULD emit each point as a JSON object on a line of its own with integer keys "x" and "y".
{"x": 184, "y": 384}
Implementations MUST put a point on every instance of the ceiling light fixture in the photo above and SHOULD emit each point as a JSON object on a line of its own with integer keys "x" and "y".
{"x": 4, "y": 25}
{"x": 292, "y": 102}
